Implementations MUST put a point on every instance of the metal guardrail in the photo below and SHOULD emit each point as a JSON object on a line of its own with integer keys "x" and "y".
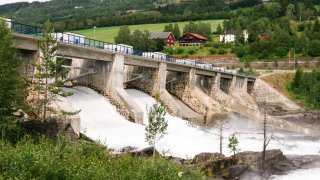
{"x": 124, "y": 49}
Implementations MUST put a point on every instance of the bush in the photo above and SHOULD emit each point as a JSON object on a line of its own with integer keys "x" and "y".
{"x": 281, "y": 51}
{"x": 45, "y": 159}
{"x": 169, "y": 51}
{"x": 180, "y": 51}
{"x": 212, "y": 51}
{"x": 191, "y": 51}
{"x": 222, "y": 51}
{"x": 186, "y": 55}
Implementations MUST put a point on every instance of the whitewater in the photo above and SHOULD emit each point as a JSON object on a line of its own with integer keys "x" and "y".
{"x": 101, "y": 122}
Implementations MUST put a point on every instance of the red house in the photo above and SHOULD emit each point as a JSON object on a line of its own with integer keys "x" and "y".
{"x": 191, "y": 39}
{"x": 168, "y": 37}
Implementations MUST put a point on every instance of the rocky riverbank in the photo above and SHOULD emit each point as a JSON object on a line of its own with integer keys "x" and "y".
{"x": 246, "y": 166}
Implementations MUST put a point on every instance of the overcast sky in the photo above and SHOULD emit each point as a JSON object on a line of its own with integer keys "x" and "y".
{"x": 13, "y": 1}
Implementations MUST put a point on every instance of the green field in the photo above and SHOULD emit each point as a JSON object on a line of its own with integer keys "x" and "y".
{"x": 317, "y": 7}
{"x": 108, "y": 33}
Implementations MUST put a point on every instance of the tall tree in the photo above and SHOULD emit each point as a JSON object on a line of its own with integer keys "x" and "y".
{"x": 48, "y": 76}
{"x": 176, "y": 31}
{"x": 123, "y": 36}
{"x": 10, "y": 79}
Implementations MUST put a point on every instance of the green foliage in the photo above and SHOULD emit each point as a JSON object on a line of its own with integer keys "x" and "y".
{"x": 123, "y": 36}
{"x": 10, "y": 79}
{"x": 48, "y": 77}
{"x": 212, "y": 51}
{"x": 139, "y": 40}
{"x": 306, "y": 87}
{"x": 157, "y": 124}
{"x": 168, "y": 28}
{"x": 314, "y": 49}
{"x": 191, "y": 51}
{"x": 176, "y": 31}
{"x": 222, "y": 51}
{"x": 233, "y": 146}
{"x": 204, "y": 29}
{"x": 45, "y": 159}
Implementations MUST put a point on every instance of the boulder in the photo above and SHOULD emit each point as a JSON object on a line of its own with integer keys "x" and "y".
{"x": 145, "y": 152}
{"x": 236, "y": 171}
{"x": 204, "y": 158}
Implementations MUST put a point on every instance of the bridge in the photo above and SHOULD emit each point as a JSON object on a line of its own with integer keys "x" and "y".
{"x": 111, "y": 72}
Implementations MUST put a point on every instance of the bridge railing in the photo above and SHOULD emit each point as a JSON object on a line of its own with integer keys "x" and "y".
{"x": 124, "y": 49}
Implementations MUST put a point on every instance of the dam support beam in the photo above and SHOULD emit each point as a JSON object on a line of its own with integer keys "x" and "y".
{"x": 192, "y": 79}
{"x": 233, "y": 84}
{"x": 245, "y": 85}
{"x": 165, "y": 96}
{"x": 115, "y": 82}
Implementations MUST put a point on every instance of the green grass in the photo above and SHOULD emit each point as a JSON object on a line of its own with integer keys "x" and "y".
{"x": 108, "y": 33}
{"x": 317, "y": 7}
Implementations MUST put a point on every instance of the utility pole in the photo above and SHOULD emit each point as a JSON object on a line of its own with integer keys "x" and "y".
{"x": 94, "y": 32}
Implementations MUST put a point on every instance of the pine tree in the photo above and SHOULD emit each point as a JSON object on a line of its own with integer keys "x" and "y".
{"x": 219, "y": 29}
{"x": 176, "y": 31}
{"x": 10, "y": 79}
{"x": 48, "y": 78}
{"x": 157, "y": 125}
{"x": 233, "y": 146}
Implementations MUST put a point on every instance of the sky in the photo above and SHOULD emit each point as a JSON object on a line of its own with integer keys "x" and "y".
{"x": 13, "y": 1}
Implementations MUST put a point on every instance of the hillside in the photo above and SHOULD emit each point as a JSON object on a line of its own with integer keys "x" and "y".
{"x": 108, "y": 33}
{"x": 81, "y": 14}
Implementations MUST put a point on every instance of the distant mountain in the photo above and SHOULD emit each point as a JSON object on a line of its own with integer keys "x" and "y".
{"x": 60, "y": 10}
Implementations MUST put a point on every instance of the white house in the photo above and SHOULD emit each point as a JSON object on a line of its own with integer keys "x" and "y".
{"x": 230, "y": 36}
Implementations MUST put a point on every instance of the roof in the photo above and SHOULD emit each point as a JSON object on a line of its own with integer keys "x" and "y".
{"x": 159, "y": 35}
{"x": 228, "y": 32}
{"x": 196, "y": 35}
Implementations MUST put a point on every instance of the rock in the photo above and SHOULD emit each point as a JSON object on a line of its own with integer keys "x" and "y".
{"x": 204, "y": 158}
{"x": 282, "y": 166}
{"x": 127, "y": 149}
{"x": 236, "y": 171}
{"x": 145, "y": 152}
{"x": 50, "y": 127}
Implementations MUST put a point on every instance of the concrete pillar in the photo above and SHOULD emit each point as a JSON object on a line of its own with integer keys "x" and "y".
{"x": 245, "y": 85}
{"x": 217, "y": 80}
{"x": 192, "y": 78}
{"x": 233, "y": 83}
{"x": 116, "y": 74}
{"x": 162, "y": 75}
{"x": 116, "y": 78}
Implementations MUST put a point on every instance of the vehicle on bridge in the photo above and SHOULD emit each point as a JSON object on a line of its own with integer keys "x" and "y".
{"x": 69, "y": 37}
{"x": 205, "y": 66}
{"x": 188, "y": 62}
{"x": 122, "y": 48}
{"x": 155, "y": 55}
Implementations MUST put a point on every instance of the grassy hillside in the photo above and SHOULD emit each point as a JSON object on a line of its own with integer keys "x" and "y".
{"x": 108, "y": 33}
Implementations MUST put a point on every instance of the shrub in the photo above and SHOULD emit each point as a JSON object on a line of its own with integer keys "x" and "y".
{"x": 191, "y": 51}
{"x": 169, "y": 51}
{"x": 222, "y": 51}
{"x": 186, "y": 55}
{"x": 212, "y": 51}
{"x": 45, "y": 159}
{"x": 180, "y": 51}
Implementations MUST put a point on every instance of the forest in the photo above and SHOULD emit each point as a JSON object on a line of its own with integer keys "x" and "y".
{"x": 305, "y": 87}
{"x": 83, "y": 14}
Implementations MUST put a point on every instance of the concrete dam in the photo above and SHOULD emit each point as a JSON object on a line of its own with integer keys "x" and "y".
{"x": 189, "y": 92}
